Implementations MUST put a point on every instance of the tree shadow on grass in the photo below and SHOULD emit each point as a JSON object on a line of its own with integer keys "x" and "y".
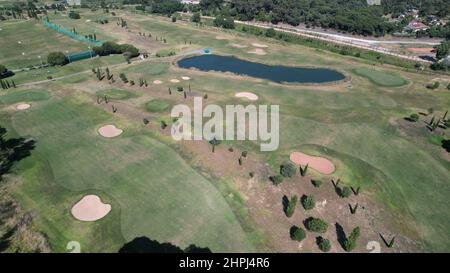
{"x": 13, "y": 150}
{"x": 146, "y": 245}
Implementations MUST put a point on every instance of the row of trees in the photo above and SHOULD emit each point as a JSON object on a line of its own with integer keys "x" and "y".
{"x": 353, "y": 16}
{"x": 109, "y": 48}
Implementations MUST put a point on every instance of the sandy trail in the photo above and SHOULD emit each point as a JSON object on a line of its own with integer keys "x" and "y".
{"x": 109, "y": 131}
{"x": 319, "y": 164}
{"x": 247, "y": 95}
{"x": 90, "y": 208}
{"x": 259, "y": 45}
{"x": 22, "y": 106}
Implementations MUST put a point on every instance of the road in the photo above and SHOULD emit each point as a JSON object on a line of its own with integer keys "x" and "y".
{"x": 366, "y": 44}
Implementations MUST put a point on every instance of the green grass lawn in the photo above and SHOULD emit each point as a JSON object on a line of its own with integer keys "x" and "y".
{"x": 13, "y": 96}
{"x": 381, "y": 78}
{"x": 154, "y": 192}
{"x": 116, "y": 94}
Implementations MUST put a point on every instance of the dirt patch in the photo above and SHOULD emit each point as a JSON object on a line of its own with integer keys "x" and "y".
{"x": 319, "y": 164}
{"x": 423, "y": 50}
{"x": 157, "y": 82}
{"x": 109, "y": 131}
{"x": 247, "y": 95}
{"x": 90, "y": 208}
{"x": 259, "y": 45}
{"x": 22, "y": 106}
{"x": 258, "y": 51}
{"x": 239, "y": 46}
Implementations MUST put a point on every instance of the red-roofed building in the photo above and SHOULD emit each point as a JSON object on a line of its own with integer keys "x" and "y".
{"x": 415, "y": 26}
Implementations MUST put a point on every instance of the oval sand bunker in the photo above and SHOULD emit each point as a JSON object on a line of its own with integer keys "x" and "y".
{"x": 247, "y": 95}
{"x": 185, "y": 78}
{"x": 23, "y": 106}
{"x": 157, "y": 82}
{"x": 90, "y": 208}
{"x": 319, "y": 164}
{"x": 174, "y": 80}
{"x": 109, "y": 131}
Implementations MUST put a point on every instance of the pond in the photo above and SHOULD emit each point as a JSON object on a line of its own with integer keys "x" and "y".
{"x": 276, "y": 73}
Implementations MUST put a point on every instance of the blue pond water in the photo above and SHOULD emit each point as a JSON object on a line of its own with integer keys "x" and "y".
{"x": 276, "y": 73}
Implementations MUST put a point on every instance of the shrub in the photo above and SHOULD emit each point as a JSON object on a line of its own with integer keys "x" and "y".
{"x": 276, "y": 179}
{"x": 74, "y": 15}
{"x": 350, "y": 242}
{"x": 57, "y": 58}
{"x": 433, "y": 86}
{"x": 271, "y": 33}
{"x": 290, "y": 208}
{"x": 446, "y": 145}
{"x": 345, "y": 192}
{"x": 414, "y": 117}
{"x": 304, "y": 170}
{"x": 316, "y": 183}
{"x": 2, "y": 69}
{"x": 108, "y": 48}
{"x": 174, "y": 19}
{"x": 316, "y": 225}
{"x": 308, "y": 202}
{"x": 288, "y": 170}
{"x": 297, "y": 233}
{"x": 196, "y": 18}
{"x": 123, "y": 77}
{"x": 324, "y": 244}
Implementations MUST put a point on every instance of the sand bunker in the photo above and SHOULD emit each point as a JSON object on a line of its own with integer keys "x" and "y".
{"x": 174, "y": 80}
{"x": 246, "y": 95}
{"x": 425, "y": 50}
{"x": 185, "y": 78}
{"x": 238, "y": 46}
{"x": 319, "y": 164}
{"x": 157, "y": 82}
{"x": 257, "y": 51}
{"x": 109, "y": 131}
{"x": 259, "y": 45}
{"x": 90, "y": 208}
{"x": 23, "y": 106}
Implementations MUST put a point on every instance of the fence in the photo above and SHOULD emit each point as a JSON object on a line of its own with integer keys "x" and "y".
{"x": 72, "y": 35}
{"x": 81, "y": 56}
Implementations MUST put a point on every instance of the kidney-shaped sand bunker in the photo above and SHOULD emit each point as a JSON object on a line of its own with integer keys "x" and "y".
{"x": 319, "y": 164}
{"x": 109, "y": 131}
{"x": 90, "y": 208}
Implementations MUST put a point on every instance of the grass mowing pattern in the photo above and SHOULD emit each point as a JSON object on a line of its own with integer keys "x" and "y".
{"x": 15, "y": 96}
{"x": 116, "y": 94}
{"x": 157, "y": 193}
{"x": 381, "y": 78}
{"x": 158, "y": 105}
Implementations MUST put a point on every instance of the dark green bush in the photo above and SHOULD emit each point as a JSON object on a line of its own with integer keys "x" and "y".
{"x": 288, "y": 170}
{"x": 276, "y": 179}
{"x": 290, "y": 208}
{"x": 57, "y": 58}
{"x": 308, "y": 202}
{"x": 297, "y": 233}
{"x": 316, "y": 225}
{"x": 323, "y": 244}
{"x": 316, "y": 183}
